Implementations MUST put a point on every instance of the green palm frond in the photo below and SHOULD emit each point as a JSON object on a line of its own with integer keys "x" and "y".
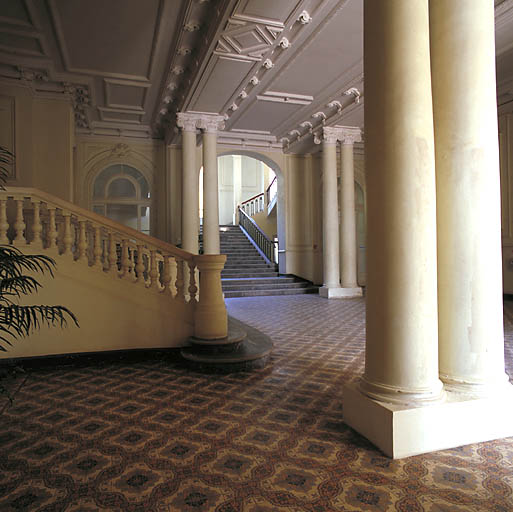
{"x": 6, "y": 160}
{"x": 13, "y": 262}
{"x": 18, "y": 321}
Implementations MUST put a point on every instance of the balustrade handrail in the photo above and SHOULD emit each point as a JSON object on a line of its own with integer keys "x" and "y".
{"x": 264, "y": 243}
{"x": 269, "y": 187}
{"x": 251, "y": 199}
{"x": 73, "y": 209}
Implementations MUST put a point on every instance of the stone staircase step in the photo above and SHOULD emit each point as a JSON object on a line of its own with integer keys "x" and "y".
{"x": 264, "y": 293}
{"x": 247, "y": 274}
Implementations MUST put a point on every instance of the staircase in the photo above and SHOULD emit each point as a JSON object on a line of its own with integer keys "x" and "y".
{"x": 247, "y": 274}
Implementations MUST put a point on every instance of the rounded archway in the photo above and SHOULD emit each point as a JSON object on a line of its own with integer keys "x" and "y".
{"x": 278, "y": 188}
{"x": 122, "y": 193}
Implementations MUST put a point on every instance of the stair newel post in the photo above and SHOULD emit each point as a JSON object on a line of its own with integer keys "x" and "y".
{"x": 82, "y": 241}
{"x": 193, "y": 289}
{"x": 67, "y": 240}
{"x": 139, "y": 266}
{"x": 154, "y": 271}
{"x": 37, "y": 227}
{"x": 210, "y": 317}
{"x": 51, "y": 236}
{"x": 19, "y": 224}
{"x": 97, "y": 248}
{"x": 113, "y": 255}
{"x": 166, "y": 275}
{"x": 4, "y": 225}
{"x": 179, "y": 284}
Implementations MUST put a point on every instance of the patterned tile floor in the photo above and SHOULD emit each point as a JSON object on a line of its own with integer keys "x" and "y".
{"x": 141, "y": 433}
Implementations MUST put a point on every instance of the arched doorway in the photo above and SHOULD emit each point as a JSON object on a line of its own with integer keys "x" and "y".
{"x": 254, "y": 159}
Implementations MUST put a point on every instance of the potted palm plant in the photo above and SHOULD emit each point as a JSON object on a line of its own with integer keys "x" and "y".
{"x": 18, "y": 320}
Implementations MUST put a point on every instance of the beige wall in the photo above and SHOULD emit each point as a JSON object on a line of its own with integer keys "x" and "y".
{"x": 39, "y": 130}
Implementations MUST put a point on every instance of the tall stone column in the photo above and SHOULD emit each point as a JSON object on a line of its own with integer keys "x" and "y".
{"x": 401, "y": 358}
{"x": 468, "y": 197}
{"x": 348, "y": 252}
{"x": 210, "y": 125}
{"x": 330, "y": 233}
{"x": 190, "y": 183}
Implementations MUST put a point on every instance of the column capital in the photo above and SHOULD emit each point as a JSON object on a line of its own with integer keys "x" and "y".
{"x": 186, "y": 121}
{"x": 349, "y": 134}
{"x": 210, "y": 122}
{"x": 334, "y": 134}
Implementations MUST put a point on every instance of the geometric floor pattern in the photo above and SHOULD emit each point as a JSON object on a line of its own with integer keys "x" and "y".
{"x": 142, "y": 433}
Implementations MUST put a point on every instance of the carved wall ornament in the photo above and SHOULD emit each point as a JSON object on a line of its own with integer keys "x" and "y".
{"x": 178, "y": 70}
{"x": 120, "y": 150}
{"x": 295, "y": 133}
{"x": 167, "y": 99}
{"x": 304, "y": 18}
{"x": 233, "y": 107}
{"x": 284, "y": 43}
{"x": 308, "y": 125}
{"x": 243, "y": 94}
{"x": 268, "y": 64}
{"x": 353, "y": 91}
{"x": 317, "y": 138}
{"x": 184, "y": 50}
{"x": 171, "y": 86}
{"x": 163, "y": 111}
{"x": 321, "y": 116}
{"x": 30, "y": 75}
{"x": 192, "y": 26}
{"x": 286, "y": 142}
{"x": 254, "y": 80}
{"x": 335, "y": 104}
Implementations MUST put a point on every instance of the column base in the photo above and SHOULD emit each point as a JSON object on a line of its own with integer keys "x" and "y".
{"x": 337, "y": 292}
{"x": 403, "y": 431}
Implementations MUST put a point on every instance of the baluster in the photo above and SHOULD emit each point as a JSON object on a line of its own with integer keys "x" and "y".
{"x": 52, "y": 229}
{"x": 37, "y": 227}
{"x": 113, "y": 255}
{"x": 131, "y": 256}
{"x": 154, "y": 271}
{"x": 193, "y": 289}
{"x": 179, "y": 279}
{"x": 4, "y": 225}
{"x": 82, "y": 241}
{"x": 97, "y": 248}
{"x": 166, "y": 275}
{"x": 125, "y": 259}
{"x": 19, "y": 224}
{"x": 67, "y": 239}
{"x": 139, "y": 267}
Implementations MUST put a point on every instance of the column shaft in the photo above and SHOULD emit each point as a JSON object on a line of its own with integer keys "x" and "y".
{"x": 468, "y": 195}
{"x": 330, "y": 233}
{"x": 211, "y": 243}
{"x": 190, "y": 195}
{"x": 348, "y": 222}
{"x": 401, "y": 363}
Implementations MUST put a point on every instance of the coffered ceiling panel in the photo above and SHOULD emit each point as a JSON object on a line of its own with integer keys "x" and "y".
{"x": 336, "y": 45}
{"x": 119, "y": 93}
{"x": 265, "y": 116}
{"x": 14, "y": 11}
{"x": 223, "y": 71}
{"x": 11, "y": 41}
{"x": 266, "y": 9}
{"x": 111, "y": 38}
